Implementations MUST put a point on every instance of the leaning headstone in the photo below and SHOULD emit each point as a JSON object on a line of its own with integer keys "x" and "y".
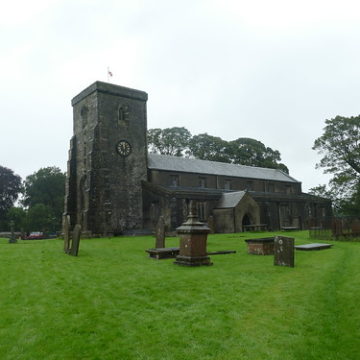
{"x": 75, "y": 240}
{"x": 160, "y": 233}
{"x": 66, "y": 231}
{"x": 284, "y": 251}
{"x": 12, "y": 239}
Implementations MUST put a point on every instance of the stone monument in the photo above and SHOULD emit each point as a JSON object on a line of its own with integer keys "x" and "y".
{"x": 284, "y": 251}
{"x": 75, "y": 240}
{"x": 66, "y": 232}
{"x": 193, "y": 241}
{"x": 160, "y": 233}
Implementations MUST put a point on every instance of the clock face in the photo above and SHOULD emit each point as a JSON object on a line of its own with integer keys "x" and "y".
{"x": 123, "y": 148}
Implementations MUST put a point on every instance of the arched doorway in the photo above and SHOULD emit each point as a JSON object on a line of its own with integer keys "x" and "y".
{"x": 246, "y": 220}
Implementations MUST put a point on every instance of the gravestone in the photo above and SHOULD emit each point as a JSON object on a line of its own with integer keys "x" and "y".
{"x": 75, "y": 240}
{"x": 284, "y": 251}
{"x": 160, "y": 233}
{"x": 66, "y": 231}
{"x": 261, "y": 246}
{"x": 12, "y": 239}
{"x": 193, "y": 241}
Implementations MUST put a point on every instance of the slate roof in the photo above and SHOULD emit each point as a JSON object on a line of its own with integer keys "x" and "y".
{"x": 230, "y": 200}
{"x": 180, "y": 164}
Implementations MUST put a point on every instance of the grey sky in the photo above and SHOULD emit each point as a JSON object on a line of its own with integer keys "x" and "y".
{"x": 269, "y": 70}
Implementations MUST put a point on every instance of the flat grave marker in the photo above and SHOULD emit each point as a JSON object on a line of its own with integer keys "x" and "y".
{"x": 313, "y": 246}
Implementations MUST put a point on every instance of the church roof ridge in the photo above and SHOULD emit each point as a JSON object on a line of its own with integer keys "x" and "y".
{"x": 181, "y": 164}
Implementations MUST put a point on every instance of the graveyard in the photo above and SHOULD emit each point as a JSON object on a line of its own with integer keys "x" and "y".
{"x": 113, "y": 301}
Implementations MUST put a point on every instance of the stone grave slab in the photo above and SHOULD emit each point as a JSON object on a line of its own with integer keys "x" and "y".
{"x": 313, "y": 246}
{"x": 222, "y": 252}
{"x": 169, "y": 253}
{"x": 163, "y": 253}
{"x": 284, "y": 251}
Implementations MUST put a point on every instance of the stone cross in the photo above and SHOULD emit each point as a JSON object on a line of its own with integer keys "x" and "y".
{"x": 284, "y": 251}
{"x": 160, "y": 233}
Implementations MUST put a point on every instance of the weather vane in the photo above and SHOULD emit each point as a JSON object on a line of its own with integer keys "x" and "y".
{"x": 109, "y": 74}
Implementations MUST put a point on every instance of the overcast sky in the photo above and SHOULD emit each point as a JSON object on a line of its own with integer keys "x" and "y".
{"x": 268, "y": 70}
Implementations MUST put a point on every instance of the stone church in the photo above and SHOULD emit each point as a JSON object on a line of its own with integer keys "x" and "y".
{"x": 114, "y": 186}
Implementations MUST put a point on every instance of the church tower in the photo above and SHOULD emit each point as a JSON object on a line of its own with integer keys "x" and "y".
{"x": 107, "y": 159}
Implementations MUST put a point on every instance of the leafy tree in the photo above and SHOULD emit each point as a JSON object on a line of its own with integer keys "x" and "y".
{"x": 207, "y": 147}
{"x": 16, "y": 214}
{"x": 170, "y": 141}
{"x": 45, "y": 187}
{"x": 328, "y": 193}
{"x": 41, "y": 217}
{"x": 340, "y": 146}
{"x": 10, "y": 187}
{"x": 178, "y": 142}
{"x": 251, "y": 152}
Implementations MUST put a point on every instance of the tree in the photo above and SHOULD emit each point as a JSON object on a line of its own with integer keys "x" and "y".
{"x": 18, "y": 216}
{"x": 46, "y": 187}
{"x": 207, "y": 147}
{"x": 340, "y": 146}
{"x": 41, "y": 217}
{"x": 251, "y": 152}
{"x": 170, "y": 141}
{"x": 178, "y": 142}
{"x": 10, "y": 187}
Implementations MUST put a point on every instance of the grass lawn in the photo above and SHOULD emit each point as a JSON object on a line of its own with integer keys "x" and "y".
{"x": 113, "y": 302}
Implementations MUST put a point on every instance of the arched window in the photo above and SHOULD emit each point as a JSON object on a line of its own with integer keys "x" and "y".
{"x": 123, "y": 115}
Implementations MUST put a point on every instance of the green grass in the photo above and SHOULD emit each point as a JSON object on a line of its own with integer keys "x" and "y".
{"x": 113, "y": 302}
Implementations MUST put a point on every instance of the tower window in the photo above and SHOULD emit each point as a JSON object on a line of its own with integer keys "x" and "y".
{"x": 123, "y": 115}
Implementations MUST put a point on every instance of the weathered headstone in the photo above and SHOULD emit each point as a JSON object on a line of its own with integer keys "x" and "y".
{"x": 66, "y": 231}
{"x": 12, "y": 239}
{"x": 193, "y": 240}
{"x": 160, "y": 233}
{"x": 75, "y": 240}
{"x": 284, "y": 251}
